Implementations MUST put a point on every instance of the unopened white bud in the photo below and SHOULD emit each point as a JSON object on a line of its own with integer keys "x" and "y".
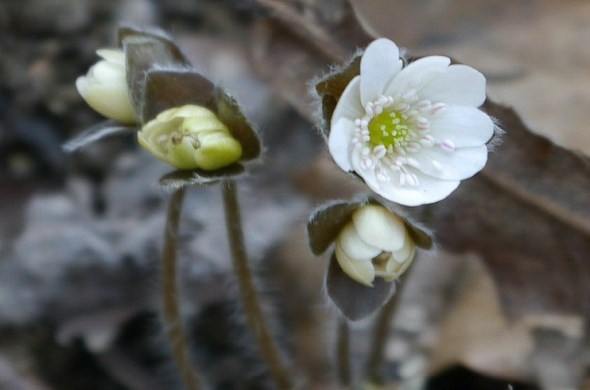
{"x": 104, "y": 87}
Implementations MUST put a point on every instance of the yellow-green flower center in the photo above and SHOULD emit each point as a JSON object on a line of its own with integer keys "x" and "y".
{"x": 389, "y": 128}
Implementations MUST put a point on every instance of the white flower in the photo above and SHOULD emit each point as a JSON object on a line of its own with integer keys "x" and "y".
{"x": 105, "y": 87}
{"x": 190, "y": 137}
{"x": 412, "y": 133}
{"x": 375, "y": 243}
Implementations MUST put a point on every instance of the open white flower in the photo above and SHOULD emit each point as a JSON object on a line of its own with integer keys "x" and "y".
{"x": 105, "y": 87}
{"x": 412, "y": 133}
{"x": 375, "y": 243}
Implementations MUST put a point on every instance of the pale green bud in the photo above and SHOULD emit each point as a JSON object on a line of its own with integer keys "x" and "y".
{"x": 376, "y": 243}
{"x": 190, "y": 137}
{"x": 104, "y": 87}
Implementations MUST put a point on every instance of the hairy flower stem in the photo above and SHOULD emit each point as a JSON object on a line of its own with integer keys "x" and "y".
{"x": 373, "y": 367}
{"x": 258, "y": 325}
{"x": 343, "y": 354}
{"x": 172, "y": 319}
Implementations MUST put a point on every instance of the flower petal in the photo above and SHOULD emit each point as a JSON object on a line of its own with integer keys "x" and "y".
{"x": 429, "y": 190}
{"x": 104, "y": 72}
{"x": 110, "y": 100}
{"x": 464, "y": 126}
{"x": 456, "y": 165}
{"x": 460, "y": 84}
{"x": 114, "y": 56}
{"x": 360, "y": 270}
{"x": 405, "y": 253}
{"x": 399, "y": 261}
{"x": 379, "y": 227}
{"x": 349, "y": 105}
{"x": 417, "y": 73}
{"x": 354, "y": 247}
{"x": 380, "y": 63}
{"x": 339, "y": 143}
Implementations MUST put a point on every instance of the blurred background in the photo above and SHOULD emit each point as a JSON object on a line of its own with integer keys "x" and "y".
{"x": 502, "y": 303}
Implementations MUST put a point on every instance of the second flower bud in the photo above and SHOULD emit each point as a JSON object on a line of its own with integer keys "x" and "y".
{"x": 375, "y": 243}
{"x": 190, "y": 137}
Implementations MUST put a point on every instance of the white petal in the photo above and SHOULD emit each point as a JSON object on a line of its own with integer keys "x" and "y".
{"x": 112, "y": 55}
{"x": 417, "y": 73}
{"x": 82, "y": 85}
{"x": 460, "y": 84}
{"x": 107, "y": 73}
{"x": 429, "y": 189}
{"x": 405, "y": 253}
{"x": 362, "y": 271}
{"x": 456, "y": 165}
{"x": 339, "y": 143}
{"x": 110, "y": 100}
{"x": 380, "y": 63}
{"x": 377, "y": 226}
{"x": 354, "y": 247}
{"x": 465, "y": 126}
{"x": 349, "y": 105}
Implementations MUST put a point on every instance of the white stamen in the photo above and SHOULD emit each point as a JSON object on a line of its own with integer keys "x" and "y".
{"x": 367, "y": 163}
{"x": 427, "y": 140}
{"x": 421, "y": 120}
{"x": 381, "y": 176}
{"x": 437, "y": 108}
{"x": 413, "y": 162}
{"x": 448, "y": 145}
{"x": 413, "y": 147}
{"x": 424, "y": 105}
{"x": 412, "y": 180}
{"x": 379, "y": 151}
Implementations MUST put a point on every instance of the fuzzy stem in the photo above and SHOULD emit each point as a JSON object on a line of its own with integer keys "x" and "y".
{"x": 376, "y": 357}
{"x": 172, "y": 318}
{"x": 258, "y": 325}
{"x": 343, "y": 354}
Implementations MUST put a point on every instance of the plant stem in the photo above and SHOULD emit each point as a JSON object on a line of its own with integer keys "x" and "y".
{"x": 343, "y": 354}
{"x": 376, "y": 355}
{"x": 258, "y": 325}
{"x": 172, "y": 319}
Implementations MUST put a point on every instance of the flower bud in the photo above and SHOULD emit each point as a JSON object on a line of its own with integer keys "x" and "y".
{"x": 105, "y": 87}
{"x": 190, "y": 137}
{"x": 375, "y": 243}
